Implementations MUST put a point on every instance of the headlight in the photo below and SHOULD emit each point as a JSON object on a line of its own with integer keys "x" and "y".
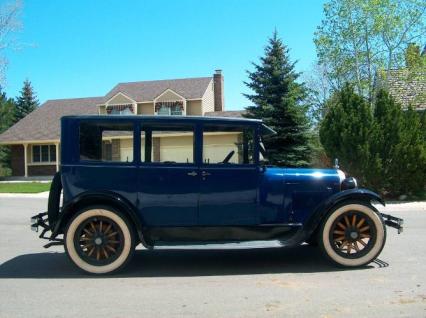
{"x": 349, "y": 183}
{"x": 342, "y": 175}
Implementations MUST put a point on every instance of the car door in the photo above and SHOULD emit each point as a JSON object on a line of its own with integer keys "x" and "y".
{"x": 168, "y": 175}
{"x": 229, "y": 177}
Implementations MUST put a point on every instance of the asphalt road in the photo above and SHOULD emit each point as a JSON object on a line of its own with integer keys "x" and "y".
{"x": 271, "y": 282}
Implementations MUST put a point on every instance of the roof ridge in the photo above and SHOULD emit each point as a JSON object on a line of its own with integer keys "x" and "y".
{"x": 165, "y": 80}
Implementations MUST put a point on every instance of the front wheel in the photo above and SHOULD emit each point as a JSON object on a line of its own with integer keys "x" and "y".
{"x": 352, "y": 235}
{"x": 99, "y": 240}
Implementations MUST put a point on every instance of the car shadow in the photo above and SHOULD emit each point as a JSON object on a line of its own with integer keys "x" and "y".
{"x": 183, "y": 263}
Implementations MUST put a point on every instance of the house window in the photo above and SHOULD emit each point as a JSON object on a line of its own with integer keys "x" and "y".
{"x": 44, "y": 153}
{"x": 169, "y": 108}
{"x": 163, "y": 110}
{"x": 126, "y": 109}
{"x": 175, "y": 110}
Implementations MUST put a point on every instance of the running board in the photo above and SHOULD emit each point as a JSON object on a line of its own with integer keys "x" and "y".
{"x": 217, "y": 245}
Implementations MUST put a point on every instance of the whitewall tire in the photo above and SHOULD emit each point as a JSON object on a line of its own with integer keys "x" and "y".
{"x": 99, "y": 240}
{"x": 352, "y": 235}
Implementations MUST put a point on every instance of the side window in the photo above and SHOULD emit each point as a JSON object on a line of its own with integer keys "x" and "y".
{"x": 167, "y": 144}
{"x": 105, "y": 141}
{"x": 228, "y": 145}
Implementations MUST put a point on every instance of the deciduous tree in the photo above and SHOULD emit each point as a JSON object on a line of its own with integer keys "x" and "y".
{"x": 358, "y": 37}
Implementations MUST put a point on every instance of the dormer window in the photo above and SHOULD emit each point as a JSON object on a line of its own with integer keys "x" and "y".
{"x": 169, "y": 108}
{"x": 125, "y": 109}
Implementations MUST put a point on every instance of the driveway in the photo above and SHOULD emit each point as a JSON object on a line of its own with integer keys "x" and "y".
{"x": 269, "y": 282}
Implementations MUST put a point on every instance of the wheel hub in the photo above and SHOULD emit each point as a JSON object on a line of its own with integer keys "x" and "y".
{"x": 98, "y": 241}
{"x": 352, "y": 233}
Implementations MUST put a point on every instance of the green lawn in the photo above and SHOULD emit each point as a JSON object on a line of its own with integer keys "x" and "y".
{"x": 24, "y": 187}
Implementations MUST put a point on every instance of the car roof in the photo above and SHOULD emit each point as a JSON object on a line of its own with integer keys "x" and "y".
{"x": 157, "y": 118}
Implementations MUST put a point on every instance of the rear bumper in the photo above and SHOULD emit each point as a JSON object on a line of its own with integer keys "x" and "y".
{"x": 40, "y": 221}
{"x": 393, "y": 221}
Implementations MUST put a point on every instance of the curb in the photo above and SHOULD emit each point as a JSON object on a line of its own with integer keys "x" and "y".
{"x": 41, "y": 195}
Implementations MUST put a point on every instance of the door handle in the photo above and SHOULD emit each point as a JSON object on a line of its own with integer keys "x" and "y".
{"x": 192, "y": 174}
{"x": 205, "y": 173}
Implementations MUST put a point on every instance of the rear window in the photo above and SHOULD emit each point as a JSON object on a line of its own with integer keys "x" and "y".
{"x": 108, "y": 142}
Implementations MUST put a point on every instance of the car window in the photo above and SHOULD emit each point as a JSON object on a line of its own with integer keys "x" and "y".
{"x": 228, "y": 145}
{"x": 167, "y": 144}
{"x": 109, "y": 142}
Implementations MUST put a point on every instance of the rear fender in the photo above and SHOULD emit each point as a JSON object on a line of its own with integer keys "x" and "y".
{"x": 94, "y": 198}
{"x": 327, "y": 205}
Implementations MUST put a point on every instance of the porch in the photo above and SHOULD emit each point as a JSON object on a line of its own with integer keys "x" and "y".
{"x": 36, "y": 159}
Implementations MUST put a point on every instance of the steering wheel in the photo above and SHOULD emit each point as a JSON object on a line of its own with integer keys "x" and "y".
{"x": 228, "y": 157}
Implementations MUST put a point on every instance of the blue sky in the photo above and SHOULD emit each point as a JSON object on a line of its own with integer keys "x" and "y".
{"x": 83, "y": 48}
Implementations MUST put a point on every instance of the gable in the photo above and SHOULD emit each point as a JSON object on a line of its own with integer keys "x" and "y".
{"x": 120, "y": 98}
{"x": 168, "y": 96}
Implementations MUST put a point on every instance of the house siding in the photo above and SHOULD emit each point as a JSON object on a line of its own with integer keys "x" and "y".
{"x": 120, "y": 99}
{"x": 168, "y": 96}
{"x": 208, "y": 99}
{"x": 45, "y": 170}
{"x": 194, "y": 108}
{"x": 146, "y": 109}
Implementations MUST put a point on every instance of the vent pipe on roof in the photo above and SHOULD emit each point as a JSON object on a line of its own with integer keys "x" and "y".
{"x": 219, "y": 101}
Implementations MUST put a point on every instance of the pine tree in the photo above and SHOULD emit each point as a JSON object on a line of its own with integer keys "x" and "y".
{"x": 279, "y": 101}
{"x": 384, "y": 146}
{"x": 7, "y": 118}
{"x": 345, "y": 132}
{"x": 26, "y": 102}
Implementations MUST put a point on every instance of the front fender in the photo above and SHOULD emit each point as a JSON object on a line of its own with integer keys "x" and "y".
{"x": 347, "y": 195}
{"x": 97, "y": 197}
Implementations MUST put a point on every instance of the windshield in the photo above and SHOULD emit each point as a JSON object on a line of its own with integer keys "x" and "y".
{"x": 265, "y": 133}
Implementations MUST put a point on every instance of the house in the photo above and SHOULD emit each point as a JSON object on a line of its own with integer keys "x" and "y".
{"x": 408, "y": 88}
{"x": 35, "y": 140}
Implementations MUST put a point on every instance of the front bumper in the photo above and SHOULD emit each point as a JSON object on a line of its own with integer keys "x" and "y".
{"x": 41, "y": 221}
{"x": 393, "y": 221}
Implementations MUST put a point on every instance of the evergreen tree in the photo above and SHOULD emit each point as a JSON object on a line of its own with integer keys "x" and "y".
{"x": 7, "y": 118}
{"x": 384, "y": 148}
{"x": 279, "y": 101}
{"x": 346, "y": 129}
{"x": 26, "y": 102}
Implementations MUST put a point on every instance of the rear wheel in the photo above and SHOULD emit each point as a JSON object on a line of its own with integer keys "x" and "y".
{"x": 353, "y": 235}
{"x": 99, "y": 240}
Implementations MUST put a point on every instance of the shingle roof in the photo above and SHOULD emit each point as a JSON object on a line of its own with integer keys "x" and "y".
{"x": 408, "y": 88}
{"x": 230, "y": 113}
{"x": 190, "y": 88}
{"x": 44, "y": 122}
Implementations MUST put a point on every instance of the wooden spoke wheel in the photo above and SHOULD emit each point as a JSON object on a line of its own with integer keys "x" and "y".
{"x": 353, "y": 235}
{"x": 99, "y": 240}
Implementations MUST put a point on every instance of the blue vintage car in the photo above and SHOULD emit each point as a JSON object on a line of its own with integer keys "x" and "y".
{"x": 161, "y": 181}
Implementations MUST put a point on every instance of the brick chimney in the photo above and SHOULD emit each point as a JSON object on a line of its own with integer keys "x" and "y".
{"x": 219, "y": 101}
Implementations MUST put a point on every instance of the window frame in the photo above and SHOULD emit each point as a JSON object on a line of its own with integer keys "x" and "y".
{"x": 116, "y": 121}
{"x": 149, "y": 143}
{"x": 49, "y": 154}
{"x": 243, "y": 127}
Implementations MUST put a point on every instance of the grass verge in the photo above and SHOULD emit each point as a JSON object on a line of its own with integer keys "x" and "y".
{"x": 24, "y": 187}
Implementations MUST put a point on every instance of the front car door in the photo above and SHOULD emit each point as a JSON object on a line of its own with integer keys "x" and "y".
{"x": 168, "y": 175}
{"x": 229, "y": 176}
